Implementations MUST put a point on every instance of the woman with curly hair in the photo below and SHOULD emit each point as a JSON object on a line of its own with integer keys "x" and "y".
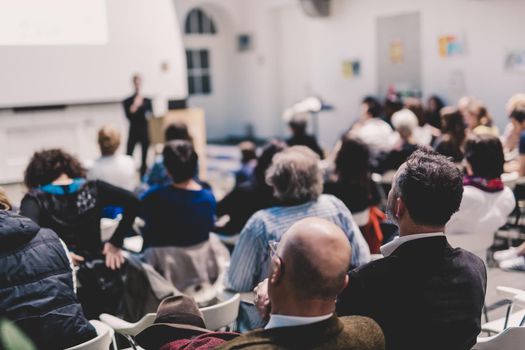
{"x": 62, "y": 199}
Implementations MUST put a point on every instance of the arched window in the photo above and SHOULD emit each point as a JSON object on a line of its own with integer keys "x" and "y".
{"x": 198, "y": 22}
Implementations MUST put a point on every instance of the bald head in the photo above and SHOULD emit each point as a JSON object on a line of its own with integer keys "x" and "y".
{"x": 317, "y": 256}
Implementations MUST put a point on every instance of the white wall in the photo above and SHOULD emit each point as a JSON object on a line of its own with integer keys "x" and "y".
{"x": 142, "y": 35}
{"x": 73, "y": 129}
{"x": 270, "y": 80}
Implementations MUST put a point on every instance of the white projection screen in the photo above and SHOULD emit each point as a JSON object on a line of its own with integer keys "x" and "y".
{"x": 85, "y": 51}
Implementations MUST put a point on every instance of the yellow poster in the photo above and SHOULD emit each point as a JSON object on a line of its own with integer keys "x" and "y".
{"x": 396, "y": 52}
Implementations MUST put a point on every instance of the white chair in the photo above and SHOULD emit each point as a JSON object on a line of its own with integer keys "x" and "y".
{"x": 223, "y": 314}
{"x": 510, "y": 339}
{"x": 127, "y": 329}
{"x": 511, "y": 319}
{"x": 510, "y": 179}
{"x": 102, "y": 341}
{"x": 215, "y": 317}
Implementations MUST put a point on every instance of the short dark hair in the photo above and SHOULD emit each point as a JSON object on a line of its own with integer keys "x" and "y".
{"x": 431, "y": 187}
{"x": 485, "y": 155}
{"x": 374, "y": 107}
{"x": 518, "y": 113}
{"x": 265, "y": 160}
{"x": 177, "y": 131}
{"x": 452, "y": 124}
{"x": 47, "y": 165}
{"x": 180, "y": 159}
{"x": 416, "y": 106}
{"x": 352, "y": 162}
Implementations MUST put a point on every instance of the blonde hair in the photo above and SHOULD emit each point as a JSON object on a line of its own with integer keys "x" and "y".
{"x": 5, "y": 204}
{"x": 108, "y": 140}
{"x": 478, "y": 109}
{"x": 515, "y": 101}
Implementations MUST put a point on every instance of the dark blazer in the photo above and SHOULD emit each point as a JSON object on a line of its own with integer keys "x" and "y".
{"x": 139, "y": 118}
{"x": 349, "y": 333}
{"x": 425, "y": 295}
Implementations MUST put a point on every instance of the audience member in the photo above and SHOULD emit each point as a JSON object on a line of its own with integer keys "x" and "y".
{"x": 405, "y": 122}
{"x": 248, "y": 162}
{"x": 298, "y": 125}
{"x": 450, "y": 143}
{"x": 433, "y": 112}
{"x": 373, "y": 130}
{"x": 138, "y": 109}
{"x": 179, "y": 324}
{"x": 178, "y": 220}
{"x": 463, "y": 104}
{"x": 517, "y": 116}
{"x": 478, "y": 120}
{"x": 423, "y": 134}
{"x": 352, "y": 182}
{"x": 434, "y": 293}
{"x": 182, "y": 213}
{"x": 157, "y": 175}
{"x": 392, "y": 105}
{"x": 510, "y": 137}
{"x": 243, "y": 201}
{"x": 36, "y": 283}
{"x": 61, "y": 199}
{"x": 308, "y": 270}
{"x": 486, "y": 202}
{"x": 297, "y": 182}
{"x": 116, "y": 169}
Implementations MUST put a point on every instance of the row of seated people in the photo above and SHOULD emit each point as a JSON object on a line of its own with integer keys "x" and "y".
{"x": 431, "y": 288}
{"x": 60, "y": 195}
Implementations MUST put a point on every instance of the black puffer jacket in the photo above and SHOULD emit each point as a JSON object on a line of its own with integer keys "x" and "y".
{"x": 36, "y": 285}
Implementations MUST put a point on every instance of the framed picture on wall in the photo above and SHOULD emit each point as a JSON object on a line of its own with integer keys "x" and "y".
{"x": 244, "y": 42}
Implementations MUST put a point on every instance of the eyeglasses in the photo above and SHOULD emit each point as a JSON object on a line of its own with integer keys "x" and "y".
{"x": 273, "y": 248}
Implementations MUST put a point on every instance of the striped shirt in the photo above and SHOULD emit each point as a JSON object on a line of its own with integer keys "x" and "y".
{"x": 250, "y": 260}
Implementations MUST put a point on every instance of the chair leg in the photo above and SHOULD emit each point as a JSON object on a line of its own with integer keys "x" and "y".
{"x": 131, "y": 341}
{"x": 507, "y": 315}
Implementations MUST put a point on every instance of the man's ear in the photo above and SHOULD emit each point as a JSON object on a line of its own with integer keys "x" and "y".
{"x": 276, "y": 272}
{"x": 400, "y": 208}
{"x": 346, "y": 283}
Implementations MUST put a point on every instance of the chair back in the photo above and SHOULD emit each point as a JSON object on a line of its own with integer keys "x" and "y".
{"x": 510, "y": 339}
{"x": 222, "y": 314}
{"x": 102, "y": 341}
{"x": 127, "y": 328}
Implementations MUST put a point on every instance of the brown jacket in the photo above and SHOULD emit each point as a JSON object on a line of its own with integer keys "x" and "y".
{"x": 349, "y": 333}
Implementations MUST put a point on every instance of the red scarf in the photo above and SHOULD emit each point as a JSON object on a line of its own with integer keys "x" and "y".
{"x": 487, "y": 185}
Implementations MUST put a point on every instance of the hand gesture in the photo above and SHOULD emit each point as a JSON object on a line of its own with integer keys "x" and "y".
{"x": 262, "y": 300}
{"x": 114, "y": 257}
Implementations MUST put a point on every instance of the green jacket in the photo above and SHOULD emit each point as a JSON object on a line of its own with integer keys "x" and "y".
{"x": 349, "y": 333}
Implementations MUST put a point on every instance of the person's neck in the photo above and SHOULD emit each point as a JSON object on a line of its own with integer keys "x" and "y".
{"x": 414, "y": 229}
{"x": 298, "y": 307}
{"x": 63, "y": 180}
{"x": 188, "y": 185}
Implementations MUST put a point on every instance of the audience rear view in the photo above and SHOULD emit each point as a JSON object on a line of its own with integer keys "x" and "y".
{"x": 297, "y": 182}
{"x": 37, "y": 283}
{"x": 308, "y": 269}
{"x": 424, "y": 294}
{"x": 301, "y": 225}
